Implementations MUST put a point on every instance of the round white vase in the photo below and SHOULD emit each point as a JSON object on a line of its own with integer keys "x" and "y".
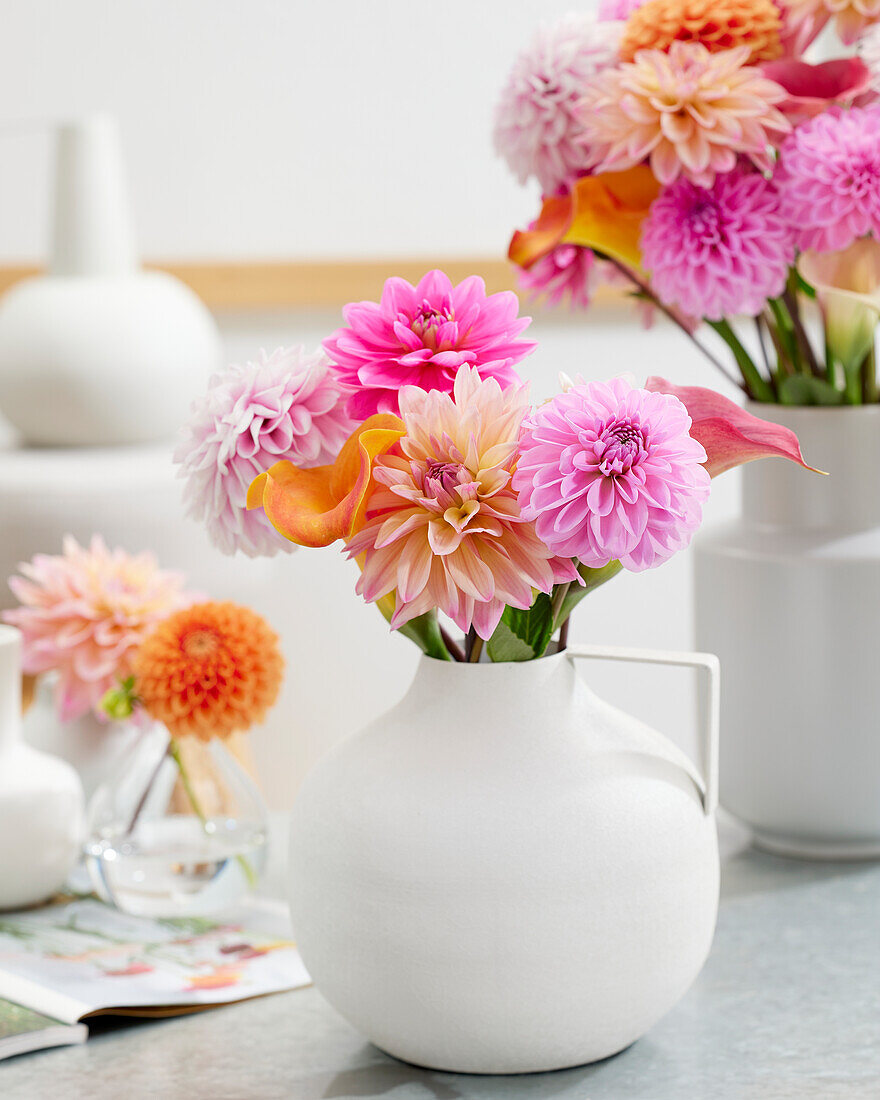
{"x": 504, "y": 874}
{"x": 41, "y": 800}
{"x": 788, "y": 596}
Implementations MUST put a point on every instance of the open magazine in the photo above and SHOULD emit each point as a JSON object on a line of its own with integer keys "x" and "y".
{"x": 83, "y": 958}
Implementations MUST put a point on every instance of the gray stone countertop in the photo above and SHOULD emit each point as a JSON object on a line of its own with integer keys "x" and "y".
{"x": 787, "y": 1008}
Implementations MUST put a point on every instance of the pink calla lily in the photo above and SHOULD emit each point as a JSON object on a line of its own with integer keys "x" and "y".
{"x": 729, "y": 434}
{"x": 812, "y": 89}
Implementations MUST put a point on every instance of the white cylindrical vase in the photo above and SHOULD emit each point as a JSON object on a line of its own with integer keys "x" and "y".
{"x": 788, "y": 597}
{"x": 503, "y": 874}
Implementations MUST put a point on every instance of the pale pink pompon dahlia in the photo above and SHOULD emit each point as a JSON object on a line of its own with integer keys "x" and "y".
{"x": 444, "y": 528}
{"x": 609, "y": 473}
{"x": 84, "y": 614}
{"x": 851, "y": 17}
{"x": 718, "y": 251}
{"x": 829, "y": 178}
{"x": 286, "y": 405}
{"x": 689, "y": 112}
{"x": 420, "y": 336}
{"x": 536, "y": 129}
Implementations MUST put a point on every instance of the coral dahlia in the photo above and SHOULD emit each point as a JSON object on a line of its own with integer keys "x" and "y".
{"x": 718, "y": 24}
{"x": 420, "y": 336}
{"x": 829, "y": 178}
{"x": 84, "y": 614}
{"x": 535, "y": 125}
{"x": 209, "y": 671}
{"x": 444, "y": 529}
{"x": 718, "y": 251}
{"x": 688, "y": 111}
{"x": 286, "y": 405}
{"x": 609, "y": 473}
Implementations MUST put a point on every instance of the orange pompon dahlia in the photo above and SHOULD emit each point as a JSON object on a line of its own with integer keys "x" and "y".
{"x": 717, "y": 24}
{"x": 210, "y": 670}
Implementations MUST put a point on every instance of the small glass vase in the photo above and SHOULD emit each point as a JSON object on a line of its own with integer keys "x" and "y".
{"x": 179, "y": 830}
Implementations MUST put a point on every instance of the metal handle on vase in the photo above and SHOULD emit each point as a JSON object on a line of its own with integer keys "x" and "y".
{"x": 711, "y": 720}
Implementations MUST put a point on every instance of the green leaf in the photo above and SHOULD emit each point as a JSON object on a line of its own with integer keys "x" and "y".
{"x": 523, "y": 635}
{"x": 425, "y": 632}
{"x": 804, "y": 389}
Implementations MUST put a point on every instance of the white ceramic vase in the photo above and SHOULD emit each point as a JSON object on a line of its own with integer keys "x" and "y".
{"x": 504, "y": 874}
{"x": 100, "y": 352}
{"x": 41, "y": 800}
{"x": 788, "y": 596}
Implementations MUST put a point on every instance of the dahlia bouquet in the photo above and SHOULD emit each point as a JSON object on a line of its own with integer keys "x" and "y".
{"x": 688, "y": 149}
{"x": 411, "y": 440}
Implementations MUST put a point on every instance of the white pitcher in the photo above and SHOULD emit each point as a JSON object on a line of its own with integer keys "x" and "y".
{"x": 504, "y": 874}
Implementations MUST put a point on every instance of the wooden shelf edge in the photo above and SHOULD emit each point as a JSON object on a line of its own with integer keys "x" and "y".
{"x": 272, "y": 284}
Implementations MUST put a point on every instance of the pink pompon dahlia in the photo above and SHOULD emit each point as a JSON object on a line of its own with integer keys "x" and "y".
{"x": 689, "y": 112}
{"x": 444, "y": 529}
{"x": 420, "y": 336}
{"x": 566, "y": 273}
{"x": 286, "y": 405}
{"x": 619, "y": 10}
{"x": 851, "y": 17}
{"x": 609, "y": 473}
{"x": 714, "y": 252}
{"x": 84, "y": 614}
{"x": 536, "y": 129}
{"x": 829, "y": 178}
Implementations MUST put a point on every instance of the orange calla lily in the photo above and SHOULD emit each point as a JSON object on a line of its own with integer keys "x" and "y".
{"x": 318, "y": 506}
{"x": 603, "y": 212}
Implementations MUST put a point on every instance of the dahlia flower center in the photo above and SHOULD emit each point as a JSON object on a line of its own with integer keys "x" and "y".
{"x": 199, "y": 644}
{"x": 442, "y": 478}
{"x": 428, "y": 320}
{"x": 704, "y": 222}
{"x": 861, "y": 180}
{"x": 620, "y": 446}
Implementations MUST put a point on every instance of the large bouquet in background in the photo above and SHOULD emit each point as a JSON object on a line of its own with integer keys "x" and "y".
{"x": 688, "y": 149}
{"x": 461, "y": 502}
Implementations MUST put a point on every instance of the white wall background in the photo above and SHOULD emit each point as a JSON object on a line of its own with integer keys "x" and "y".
{"x": 265, "y": 128}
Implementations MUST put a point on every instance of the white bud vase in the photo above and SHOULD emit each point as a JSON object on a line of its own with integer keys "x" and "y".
{"x": 100, "y": 352}
{"x": 504, "y": 874}
{"x": 41, "y": 800}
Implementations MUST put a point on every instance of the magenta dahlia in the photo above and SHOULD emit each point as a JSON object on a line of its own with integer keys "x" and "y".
{"x": 720, "y": 250}
{"x": 287, "y": 405}
{"x": 566, "y": 273}
{"x": 420, "y": 336}
{"x": 536, "y": 131}
{"x": 829, "y": 178}
{"x": 608, "y": 472}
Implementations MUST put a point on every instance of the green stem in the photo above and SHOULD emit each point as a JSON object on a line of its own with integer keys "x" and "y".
{"x": 870, "y": 391}
{"x": 476, "y": 650}
{"x": 174, "y": 753}
{"x": 800, "y": 333}
{"x": 757, "y": 386}
{"x": 785, "y": 332}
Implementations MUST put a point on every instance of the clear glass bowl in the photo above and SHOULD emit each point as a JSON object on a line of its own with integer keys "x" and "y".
{"x": 179, "y": 830}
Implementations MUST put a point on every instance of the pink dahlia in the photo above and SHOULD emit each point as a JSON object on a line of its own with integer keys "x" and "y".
{"x": 84, "y": 614}
{"x": 688, "y": 112}
{"x": 286, "y": 405}
{"x": 609, "y": 473}
{"x": 718, "y": 251}
{"x": 565, "y": 273}
{"x": 420, "y": 336}
{"x": 444, "y": 529}
{"x": 619, "y": 10}
{"x": 829, "y": 178}
{"x": 536, "y": 130}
